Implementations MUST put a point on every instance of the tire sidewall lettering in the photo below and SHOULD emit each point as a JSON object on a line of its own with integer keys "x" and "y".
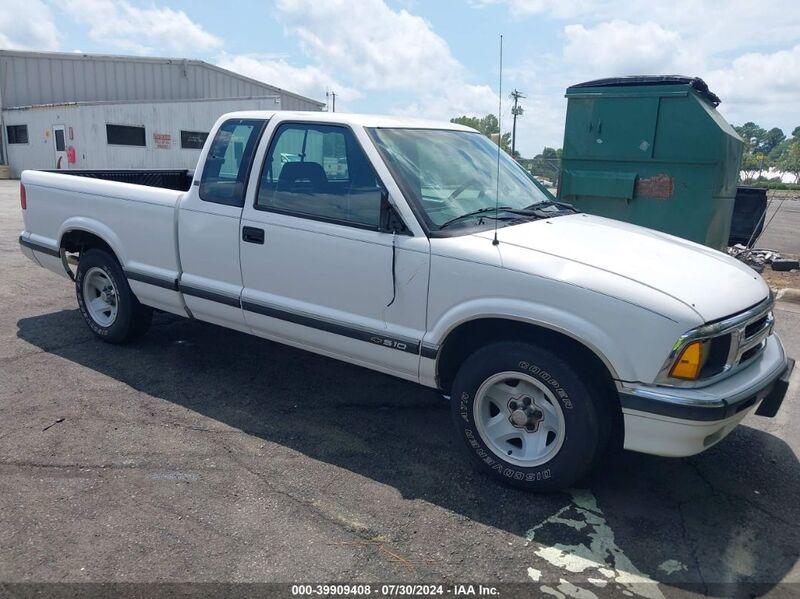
{"x": 574, "y": 396}
{"x": 503, "y": 469}
{"x": 549, "y": 380}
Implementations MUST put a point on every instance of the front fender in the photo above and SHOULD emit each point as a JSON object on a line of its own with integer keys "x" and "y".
{"x": 631, "y": 341}
{"x": 582, "y": 330}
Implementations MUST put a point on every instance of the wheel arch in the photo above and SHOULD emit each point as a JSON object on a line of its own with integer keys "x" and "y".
{"x": 80, "y": 234}
{"x": 467, "y": 336}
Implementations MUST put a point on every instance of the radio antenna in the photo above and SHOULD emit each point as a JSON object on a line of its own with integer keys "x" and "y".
{"x": 499, "y": 141}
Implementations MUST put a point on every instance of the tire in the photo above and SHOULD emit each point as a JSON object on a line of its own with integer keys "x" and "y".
{"x": 527, "y": 418}
{"x": 125, "y": 318}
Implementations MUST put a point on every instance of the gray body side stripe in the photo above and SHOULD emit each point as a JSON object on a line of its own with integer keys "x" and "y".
{"x": 213, "y": 296}
{"x": 39, "y": 247}
{"x": 378, "y": 338}
{"x": 430, "y": 351}
{"x": 152, "y": 280}
{"x": 407, "y": 345}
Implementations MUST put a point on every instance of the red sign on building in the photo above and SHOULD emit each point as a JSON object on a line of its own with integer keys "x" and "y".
{"x": 162, "y": 141}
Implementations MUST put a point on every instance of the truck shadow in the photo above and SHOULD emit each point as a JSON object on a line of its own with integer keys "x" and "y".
{"x": 729, "y": 515}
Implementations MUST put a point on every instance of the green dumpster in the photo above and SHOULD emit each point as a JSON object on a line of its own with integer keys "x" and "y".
{"x": 654, "y": 151}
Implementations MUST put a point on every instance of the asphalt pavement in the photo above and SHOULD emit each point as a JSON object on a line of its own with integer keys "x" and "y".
{"x": 782, "y": 223}
{"x": 203, "y": 454}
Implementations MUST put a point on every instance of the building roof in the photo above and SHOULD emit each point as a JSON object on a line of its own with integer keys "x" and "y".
{"x": 34, "y": 78}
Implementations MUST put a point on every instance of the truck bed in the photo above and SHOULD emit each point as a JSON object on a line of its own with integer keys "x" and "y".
{"x": 177, "y": 179}
{"x": 138, "y": 221}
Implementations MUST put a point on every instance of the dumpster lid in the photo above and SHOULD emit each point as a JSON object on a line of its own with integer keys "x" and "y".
{"x": 696, "y": 83}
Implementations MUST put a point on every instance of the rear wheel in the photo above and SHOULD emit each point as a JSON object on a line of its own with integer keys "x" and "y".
{"x": 106, "y": 301}
{"x": 526, "y": 417}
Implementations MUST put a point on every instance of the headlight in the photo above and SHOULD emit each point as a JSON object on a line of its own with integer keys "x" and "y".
{"x": 716, "y": 349}
{"x": 690, "y": 361}
{"x": 703, "y": 358}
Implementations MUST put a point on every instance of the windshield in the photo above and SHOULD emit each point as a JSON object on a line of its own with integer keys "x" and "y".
{"x": 451, "y": 174}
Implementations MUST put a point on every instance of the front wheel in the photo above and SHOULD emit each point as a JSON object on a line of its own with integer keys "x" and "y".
{"x": 106, "y": 301}
{"x": 526, "y": 417}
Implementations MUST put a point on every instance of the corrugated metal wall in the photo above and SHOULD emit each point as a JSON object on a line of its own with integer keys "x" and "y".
{"x": 85, "y": 131}
{"x": 29, "y": 78}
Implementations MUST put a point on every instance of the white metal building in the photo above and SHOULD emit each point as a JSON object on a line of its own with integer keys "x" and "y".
{"x": 84, "y": 111}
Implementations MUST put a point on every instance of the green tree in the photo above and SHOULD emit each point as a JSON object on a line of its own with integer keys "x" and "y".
{"x": 547, "y": 164}
{"x": 549, "y": 153}
{"x": 796, "y": 132}
{"x": 778, "y": 151}
{"x": 750, "y": 164}
{"x": 762, "y": 148}
{"x": 790, "y": 161}
{"x": 488, "y": 125}
{"x": 752, "y": 134}
{"x": 771, "y": 140}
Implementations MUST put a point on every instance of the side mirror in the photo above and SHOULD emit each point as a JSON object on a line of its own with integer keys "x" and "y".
{"x": 390, "y": 220}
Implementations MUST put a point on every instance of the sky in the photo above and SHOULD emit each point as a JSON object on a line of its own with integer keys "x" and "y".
{"x": 439, "y": 58}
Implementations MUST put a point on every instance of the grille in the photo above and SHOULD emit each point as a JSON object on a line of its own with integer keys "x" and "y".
{"x": 752, "y": 337}
{"x": 754, "y": 327}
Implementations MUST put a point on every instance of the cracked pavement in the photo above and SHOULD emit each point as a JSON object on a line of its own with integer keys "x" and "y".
{"x": 203, "y": 454}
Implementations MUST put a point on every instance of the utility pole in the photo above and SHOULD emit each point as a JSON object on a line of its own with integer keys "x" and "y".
{"x": 332, "y": 104}
{"x": 516, "y": 111}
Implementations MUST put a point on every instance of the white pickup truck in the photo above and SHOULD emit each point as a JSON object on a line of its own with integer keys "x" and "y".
{"x": 409, "y": 247}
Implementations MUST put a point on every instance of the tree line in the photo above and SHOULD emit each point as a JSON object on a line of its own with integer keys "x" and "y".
{"x": 766, "y": 149}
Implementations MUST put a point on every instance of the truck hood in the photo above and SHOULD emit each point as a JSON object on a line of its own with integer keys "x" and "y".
{"x": 711, "y": 283}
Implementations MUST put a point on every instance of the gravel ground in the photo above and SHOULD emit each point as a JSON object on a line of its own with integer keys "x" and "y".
{"x": 202, "y": 454}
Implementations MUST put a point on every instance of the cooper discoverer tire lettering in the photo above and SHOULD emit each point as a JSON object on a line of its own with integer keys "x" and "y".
{"x": 526, "y": 417}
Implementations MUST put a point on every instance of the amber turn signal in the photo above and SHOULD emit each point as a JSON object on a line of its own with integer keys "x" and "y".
{"x": 690, "y": 362}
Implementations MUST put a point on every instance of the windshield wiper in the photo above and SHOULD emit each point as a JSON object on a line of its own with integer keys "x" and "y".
{"x": 478, "y": 212}
{"x": 562, "y": 205}
{"x": 534, "y": 210}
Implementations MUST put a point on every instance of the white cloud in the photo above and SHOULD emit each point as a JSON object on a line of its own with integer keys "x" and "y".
{"x": 555, "y": 8}
{"x": 458, "y": 100}
{"x": 367, "y": 46}
{"x": 368, "y": 41}
{"x": 624, "y": 48}
{"x": 764, "y": 88}
{"x": 151, "y": 30}
{"x": 308, "y": 80}
{"x": 717, "y": 25}
{"x": 753, "y": 76}
{"x": 746, "y": 50}
{"x": 27, "y": 25}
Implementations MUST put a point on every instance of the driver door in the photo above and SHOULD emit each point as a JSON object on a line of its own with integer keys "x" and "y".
{"x": 320, "y": 268}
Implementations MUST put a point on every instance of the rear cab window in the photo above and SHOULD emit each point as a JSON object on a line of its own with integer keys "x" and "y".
{"x": 228, "y": 162}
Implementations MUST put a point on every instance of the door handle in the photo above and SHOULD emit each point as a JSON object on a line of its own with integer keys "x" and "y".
{"x": 253, "y": 235}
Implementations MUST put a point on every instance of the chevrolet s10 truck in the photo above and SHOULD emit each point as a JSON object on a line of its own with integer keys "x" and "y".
{"x": 411, "y": 248}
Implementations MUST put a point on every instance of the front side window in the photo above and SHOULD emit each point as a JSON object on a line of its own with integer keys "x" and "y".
{"x": 17, "y": 134}
{"x": 452, "y": 174}
{"x": 125, "y": 135}
{"x": 320, "y": 171}
{"x": 228, "y": 162}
